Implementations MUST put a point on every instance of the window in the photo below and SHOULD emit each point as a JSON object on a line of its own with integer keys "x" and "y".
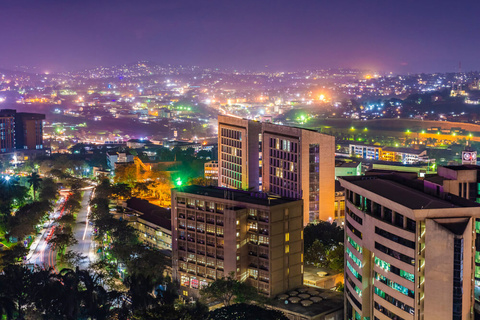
{"x": 287, "y": 237}
{"x": 287, "y": 248}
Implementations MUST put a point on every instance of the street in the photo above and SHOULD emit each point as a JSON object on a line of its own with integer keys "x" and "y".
{"x": 82, "y": 231}
{"x": 42, "y": 255}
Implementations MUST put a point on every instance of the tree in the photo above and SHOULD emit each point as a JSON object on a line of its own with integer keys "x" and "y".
{"x": 335, "y": 257}
{"x": 34, "y": 181}
{"x": 62, "y": 239}
{"x": 121, "y": 191}
{"x": 316, "y": 254}
{"x": 326, "y": 232}
{"x": 244, "y": 311}
{"x": 228, "y": 290}
{"x": 48, "y": 190}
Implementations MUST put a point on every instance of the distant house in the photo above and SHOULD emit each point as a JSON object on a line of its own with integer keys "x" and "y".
{"x": 114, "y": 158}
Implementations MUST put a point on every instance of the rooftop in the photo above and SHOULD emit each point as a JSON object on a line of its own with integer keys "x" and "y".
{"x": 252, "y": 197}
{"x": 463, "y": 167}
{"x": 344, "y": 164}
{"x": 403, "y": 150}
{"x": 324, "y": 301}
{"x": 149, "y": 212}
{"x": 406, "y": 192}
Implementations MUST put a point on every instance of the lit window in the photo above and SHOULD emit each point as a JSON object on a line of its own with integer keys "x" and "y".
{"x": 287, "y": 237}
{"x": 287, "y": 248}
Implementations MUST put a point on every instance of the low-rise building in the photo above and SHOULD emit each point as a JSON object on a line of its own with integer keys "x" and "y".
{"x": 152, "y": 223}
{"x": 308, "y": 303}
{"x": 211, "y": 170}
{"x": 114, "y": 158}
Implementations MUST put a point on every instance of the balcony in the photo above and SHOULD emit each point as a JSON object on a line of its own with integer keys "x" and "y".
{"x": 181, "y": 248}
{"x": 181, "y": 227}
{"x": 266, "y": 280}
{"x": 181, "y": 216}
{"x": 210, "y": 221}
{"x": 252, "y": 253}
{"x": 263, "y": 256}
{"x": 200, "y": 219}
{"x": 263, "y": 267}
{"x": 219, "y": 223}
{"x": 253, "y": 265}
{"x": 191, "y": 218}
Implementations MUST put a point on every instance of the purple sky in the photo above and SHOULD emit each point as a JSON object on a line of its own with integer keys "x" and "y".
{"x": 388, "y": 35}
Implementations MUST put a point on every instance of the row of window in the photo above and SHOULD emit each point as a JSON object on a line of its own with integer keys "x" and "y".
{"x": 229, "y": 133}
{"x": 353, "y": 257}
{"x": 395, "y": 302}
{"x": 395, "y": 254}
{"x": 354, "y": 230}
{"x": 387, "y": 312}
{"x": 354, "y": 272}
{"x": 231, "y": 143}
{"x": 354, "y": 244}
{"x": 393, "y": 237}
{"x": 394, "y": 285}
{"x": 283, "y": 145}
{"x": 390, "y": 268}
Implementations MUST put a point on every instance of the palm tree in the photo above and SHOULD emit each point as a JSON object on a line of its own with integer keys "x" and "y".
{"x": 34, "y": 181}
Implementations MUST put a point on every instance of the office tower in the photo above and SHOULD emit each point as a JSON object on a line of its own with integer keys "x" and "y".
{"x": 409, "y": 254}
{"x": 294, "y": 162}
{"x": 217, "y": 231}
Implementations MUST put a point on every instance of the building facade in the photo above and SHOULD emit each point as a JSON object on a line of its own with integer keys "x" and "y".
{"x": 408, "y": 254}
{"x": 286, "y": 161}
{"x": 219, "y": 231}
{"x": 239, "y": 153}
{"x": 403, "y": 155}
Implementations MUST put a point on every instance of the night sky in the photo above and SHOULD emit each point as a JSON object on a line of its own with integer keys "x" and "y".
{"x": 388, "y": 35}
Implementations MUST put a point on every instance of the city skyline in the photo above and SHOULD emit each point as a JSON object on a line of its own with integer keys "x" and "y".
{"x": 398, "y": 37}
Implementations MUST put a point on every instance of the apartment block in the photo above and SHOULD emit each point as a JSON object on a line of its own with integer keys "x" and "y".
{"x": 409, "y": 254}
{"x": 218, "y": 231}
{"x": 293, "y": 162}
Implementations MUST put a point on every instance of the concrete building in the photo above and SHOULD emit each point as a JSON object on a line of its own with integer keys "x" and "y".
{"x": 114, "y": 158}
{"x": 339, "y": 214}
{"x": 347, "y": 168}
{"x": 286, "y": 161}
{"x": 217, "y": 231}
{"x": 365, "y": 151}
{"x": 152, "y": 223}
{"x": 211, "y": 170}
{"x": 404, "y": 155}
{"x": 390, "y": 154}
{"x": 409, "y": 254}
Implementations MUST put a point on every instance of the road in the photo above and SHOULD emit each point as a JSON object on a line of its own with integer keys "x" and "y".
{"x": 42, "y": 255}
{"x": 83, "y": 232}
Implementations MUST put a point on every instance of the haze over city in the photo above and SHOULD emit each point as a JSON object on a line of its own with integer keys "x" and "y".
{"x": 390, "y": 36}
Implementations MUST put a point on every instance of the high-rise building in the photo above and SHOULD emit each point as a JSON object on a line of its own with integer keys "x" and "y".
{"x": 286, "y": 161}
{"x": 219, "y": 231}
{"x": 410, "y": 253}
